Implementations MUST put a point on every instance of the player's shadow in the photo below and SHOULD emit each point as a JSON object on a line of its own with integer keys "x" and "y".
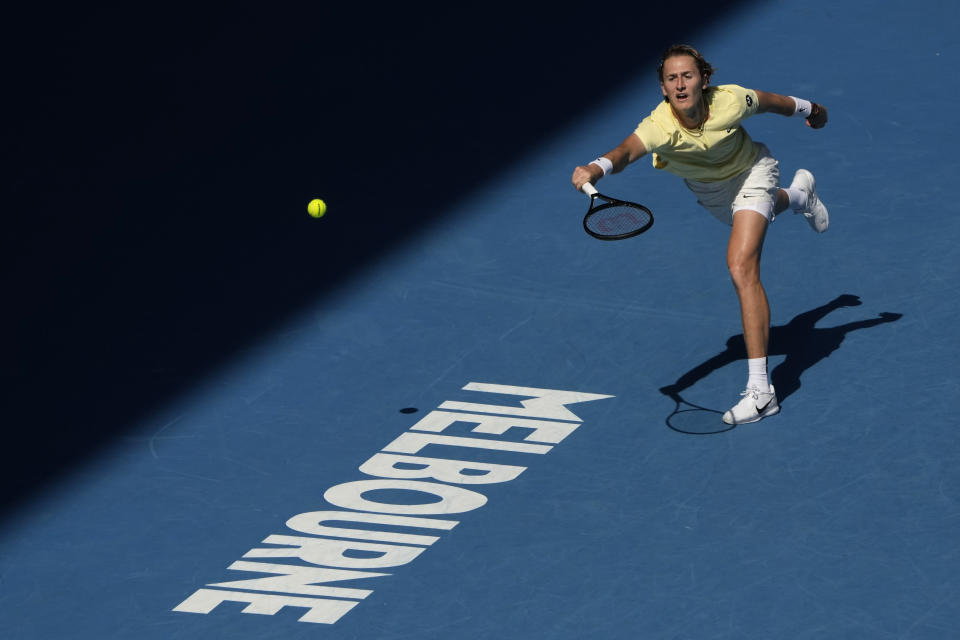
{"x": 800, "y": 340}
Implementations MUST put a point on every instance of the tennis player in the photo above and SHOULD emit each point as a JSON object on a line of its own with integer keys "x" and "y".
{"x": 696, "y": 133}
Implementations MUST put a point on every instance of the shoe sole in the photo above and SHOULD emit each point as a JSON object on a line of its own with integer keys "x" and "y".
{"x": 811, "y": 219}
{"x": 766, "y": 414}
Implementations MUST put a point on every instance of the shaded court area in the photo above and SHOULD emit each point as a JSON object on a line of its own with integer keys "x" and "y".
{"x": 164, "y": 155}
{"x": 443, "y": 409}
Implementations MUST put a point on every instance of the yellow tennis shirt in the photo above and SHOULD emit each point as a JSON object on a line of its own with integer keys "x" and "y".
{"x": 720, "y": 151}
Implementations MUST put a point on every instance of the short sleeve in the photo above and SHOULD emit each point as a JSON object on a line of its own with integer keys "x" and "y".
{"x": 745, "y": 100}
{"x": 651, "y": 134}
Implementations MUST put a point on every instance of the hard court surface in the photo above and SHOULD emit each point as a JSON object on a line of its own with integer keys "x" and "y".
{"x": 605, "y": 511}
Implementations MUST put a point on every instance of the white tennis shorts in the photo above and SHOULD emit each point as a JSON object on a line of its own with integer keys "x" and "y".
{"x": 755, "y": 189}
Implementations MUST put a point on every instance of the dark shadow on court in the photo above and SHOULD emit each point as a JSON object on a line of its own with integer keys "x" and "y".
{"x": 155, "y": 225}
{"x": 800, "y": 340}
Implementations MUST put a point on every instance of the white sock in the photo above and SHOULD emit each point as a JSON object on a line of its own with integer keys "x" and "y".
{"x": 798, "y": 198}
{"x": 758, "y": 374}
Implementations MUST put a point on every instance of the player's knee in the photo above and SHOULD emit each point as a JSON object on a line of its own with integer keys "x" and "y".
{"x": 744, "y": 271}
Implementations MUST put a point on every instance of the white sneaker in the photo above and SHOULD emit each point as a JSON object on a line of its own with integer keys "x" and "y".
{"x": 815, "y": 212}
{"x": 755, "y": 405}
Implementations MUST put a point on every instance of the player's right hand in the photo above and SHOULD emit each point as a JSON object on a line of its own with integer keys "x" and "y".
{"x": 584, "y": 174}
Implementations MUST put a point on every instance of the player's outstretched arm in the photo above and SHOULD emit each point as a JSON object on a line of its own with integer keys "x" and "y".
{"x": 815, "y": 114}
{"x": 614, "y": 161}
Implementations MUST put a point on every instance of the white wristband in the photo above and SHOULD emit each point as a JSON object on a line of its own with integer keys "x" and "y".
{"x": 605, "y": 164}
{"x": 804, "y": 108}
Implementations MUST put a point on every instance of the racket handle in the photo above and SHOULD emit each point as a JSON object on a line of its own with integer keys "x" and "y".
{"x": 589, "y": 189}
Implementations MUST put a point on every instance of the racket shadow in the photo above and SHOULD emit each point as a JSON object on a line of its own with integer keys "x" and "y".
{"x": 800, "y": 340}
{"x": 692, "y": 419}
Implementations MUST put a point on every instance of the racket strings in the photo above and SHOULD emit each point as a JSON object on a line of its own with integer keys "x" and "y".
{"x": 617, "y": 220}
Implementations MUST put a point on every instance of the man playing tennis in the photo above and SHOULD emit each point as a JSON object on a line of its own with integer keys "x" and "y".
{"x": 696, "y": 133}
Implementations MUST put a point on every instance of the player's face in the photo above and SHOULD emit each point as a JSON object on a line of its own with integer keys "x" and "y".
{"x": 682, "y": 83}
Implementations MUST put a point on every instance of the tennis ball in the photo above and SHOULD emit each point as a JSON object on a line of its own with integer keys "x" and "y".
{"x": 317, "y": 208}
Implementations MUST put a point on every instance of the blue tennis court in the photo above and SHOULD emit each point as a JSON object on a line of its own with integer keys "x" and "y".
{"x": 438, "y": 411}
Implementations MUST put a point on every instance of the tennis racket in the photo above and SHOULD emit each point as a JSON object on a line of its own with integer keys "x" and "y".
{"x": 612, "y": 219}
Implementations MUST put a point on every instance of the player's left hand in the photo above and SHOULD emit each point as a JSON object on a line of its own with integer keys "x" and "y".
{"x": 818, "y": 118}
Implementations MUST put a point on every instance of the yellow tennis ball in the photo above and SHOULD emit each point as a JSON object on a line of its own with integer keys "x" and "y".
{"x": 317, "y": 208}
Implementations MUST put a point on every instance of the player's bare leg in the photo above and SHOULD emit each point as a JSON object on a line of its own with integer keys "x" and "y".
{"x": 743, "y": 260}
